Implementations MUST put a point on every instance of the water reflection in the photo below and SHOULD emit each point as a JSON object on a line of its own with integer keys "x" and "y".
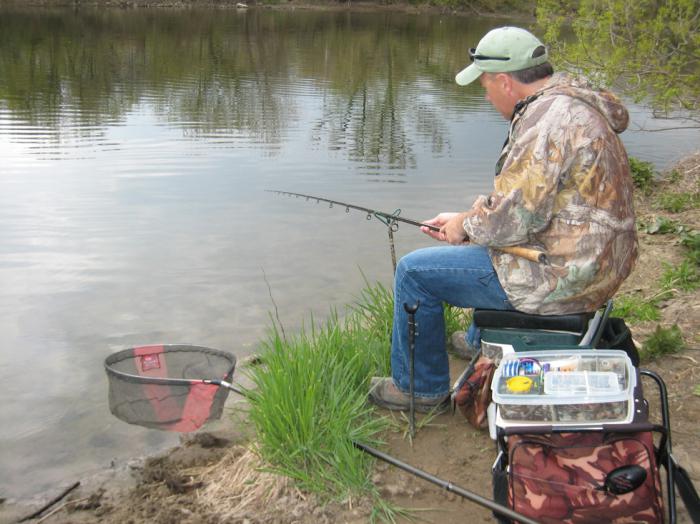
{"x": 135, "y": 148}
{"x": 239, "y": 72}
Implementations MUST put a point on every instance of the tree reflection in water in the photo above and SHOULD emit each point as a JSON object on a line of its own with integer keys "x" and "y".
{"x": 218, "y": 73}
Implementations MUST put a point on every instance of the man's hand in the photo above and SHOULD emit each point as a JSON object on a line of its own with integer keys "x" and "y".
{"x": 451, "y": 229}
{"x": 454, "y": 230}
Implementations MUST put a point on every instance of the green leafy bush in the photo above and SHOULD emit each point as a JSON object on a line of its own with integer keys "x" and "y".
{"x": 650, "y": 50}
{"x": 643, "y": 174}
{"x": 660, "y": 226}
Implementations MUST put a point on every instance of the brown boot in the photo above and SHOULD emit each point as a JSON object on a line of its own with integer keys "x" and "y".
{"x": 386, "y": 395}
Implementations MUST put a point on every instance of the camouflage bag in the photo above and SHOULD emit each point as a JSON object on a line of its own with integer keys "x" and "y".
{"x": 473, "y": 391}
{"x": 565, "y": 477}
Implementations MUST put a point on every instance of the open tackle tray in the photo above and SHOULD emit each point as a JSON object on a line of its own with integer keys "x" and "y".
{"x": 567, "y": 387}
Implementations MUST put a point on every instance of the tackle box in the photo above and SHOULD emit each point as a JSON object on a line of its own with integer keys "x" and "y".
{"x": 564, "y": 388}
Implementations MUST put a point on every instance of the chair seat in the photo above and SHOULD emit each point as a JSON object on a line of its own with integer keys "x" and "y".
{"x": 491, "y": 318}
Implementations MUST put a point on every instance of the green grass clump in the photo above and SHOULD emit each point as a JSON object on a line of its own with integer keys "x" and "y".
{"x": 309, "y": 404}
{"x": 635, "y": 309}
{"x": 674, "y": 176}
{"x": 676, "y": 202}
{"x": 643, "y": 174}
{"x": 310, "y": 400}
{"x": 662, "y": 342}
{"x": 375, "y": 306}
{"x": 374, "y": 312}
{"x": 684, "y": 276}
{"x": 457, "y": 319}
{"x": 691, "y": 242}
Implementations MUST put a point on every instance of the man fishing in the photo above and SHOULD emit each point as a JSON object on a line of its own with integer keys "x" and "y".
{"x": 562, "y": 186}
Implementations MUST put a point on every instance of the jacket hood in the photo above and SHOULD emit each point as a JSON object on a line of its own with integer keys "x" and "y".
{"x": 603, "y": 101}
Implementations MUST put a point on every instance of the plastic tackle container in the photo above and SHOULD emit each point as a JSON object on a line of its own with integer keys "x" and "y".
{"x": 566, "y": 387}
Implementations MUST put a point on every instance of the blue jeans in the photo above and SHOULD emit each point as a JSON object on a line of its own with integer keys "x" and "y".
{"x": 459, "y": 275}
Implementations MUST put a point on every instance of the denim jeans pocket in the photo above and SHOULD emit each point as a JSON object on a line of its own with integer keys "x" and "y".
{"x": 487, "y": 280}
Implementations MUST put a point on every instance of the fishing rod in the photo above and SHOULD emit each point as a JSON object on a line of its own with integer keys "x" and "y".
{"x": 391, "y": 220}
{"x": 500, "y": 509}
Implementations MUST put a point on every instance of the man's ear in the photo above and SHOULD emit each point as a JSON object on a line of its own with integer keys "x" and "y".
{"x": 505, "y": 82}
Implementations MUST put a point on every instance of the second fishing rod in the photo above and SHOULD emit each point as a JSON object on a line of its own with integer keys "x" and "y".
{"x": 392, "y": 220}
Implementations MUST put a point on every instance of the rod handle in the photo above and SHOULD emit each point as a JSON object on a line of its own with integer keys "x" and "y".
{"x": 533, "y": 255}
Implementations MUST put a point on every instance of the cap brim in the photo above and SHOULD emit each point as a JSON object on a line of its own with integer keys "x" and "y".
{"x": 468, "y": 75}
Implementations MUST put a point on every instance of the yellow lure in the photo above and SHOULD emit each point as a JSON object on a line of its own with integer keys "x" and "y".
{"x": 519, "y": 384}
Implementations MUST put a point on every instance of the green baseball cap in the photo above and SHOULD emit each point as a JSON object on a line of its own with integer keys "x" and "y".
{"x": 502, "y": 50}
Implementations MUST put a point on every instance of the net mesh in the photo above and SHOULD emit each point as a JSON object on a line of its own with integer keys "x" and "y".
{"x": 148, "y": 385}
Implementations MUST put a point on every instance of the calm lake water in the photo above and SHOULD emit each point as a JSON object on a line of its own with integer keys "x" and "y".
{"x": 135, "y": 148}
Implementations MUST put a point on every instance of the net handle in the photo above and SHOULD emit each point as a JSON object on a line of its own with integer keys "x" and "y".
{"x": 177, "y": 381}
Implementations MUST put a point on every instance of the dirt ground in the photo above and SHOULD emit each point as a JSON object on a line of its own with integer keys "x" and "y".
{"x": 213, "y": 477}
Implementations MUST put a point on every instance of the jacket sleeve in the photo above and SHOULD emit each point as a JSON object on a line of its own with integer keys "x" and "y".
{"x": 525, "y": 192}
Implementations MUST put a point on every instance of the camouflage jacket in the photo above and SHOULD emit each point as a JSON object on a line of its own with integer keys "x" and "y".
{"x": 563, "y": 185}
